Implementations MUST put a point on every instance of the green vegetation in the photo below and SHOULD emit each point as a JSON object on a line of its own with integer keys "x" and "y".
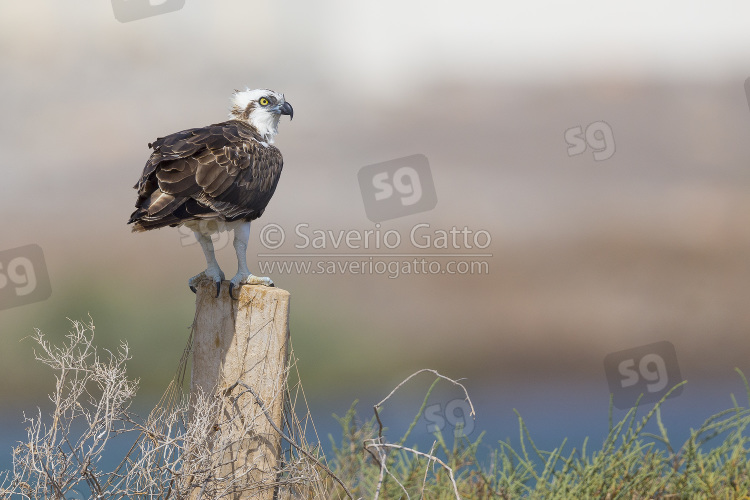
{"x": 631, "y": 464}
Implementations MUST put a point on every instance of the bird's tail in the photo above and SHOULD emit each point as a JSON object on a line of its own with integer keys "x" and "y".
{"x": 141, "y": 222}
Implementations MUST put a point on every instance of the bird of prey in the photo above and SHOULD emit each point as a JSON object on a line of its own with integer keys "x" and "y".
{"x": 222, "y": 175}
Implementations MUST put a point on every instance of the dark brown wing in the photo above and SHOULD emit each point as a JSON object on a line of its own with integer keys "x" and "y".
{"x": 222, "y": 171}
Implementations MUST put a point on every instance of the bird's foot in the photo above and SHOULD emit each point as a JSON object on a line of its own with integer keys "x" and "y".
{"x": 215, "y": 275}
{"x": 247, "y": 279}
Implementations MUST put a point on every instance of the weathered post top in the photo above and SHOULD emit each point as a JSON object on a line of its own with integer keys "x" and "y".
{"x": 230, "y": 333}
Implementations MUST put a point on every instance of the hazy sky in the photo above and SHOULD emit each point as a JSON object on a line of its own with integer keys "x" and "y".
{"x": 383, "y": 44}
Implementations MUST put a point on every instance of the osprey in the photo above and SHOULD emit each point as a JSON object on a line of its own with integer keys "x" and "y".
{"x": 216, "y": 177}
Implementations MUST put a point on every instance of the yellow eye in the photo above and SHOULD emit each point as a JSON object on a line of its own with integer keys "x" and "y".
{"x": 263, "y": 101}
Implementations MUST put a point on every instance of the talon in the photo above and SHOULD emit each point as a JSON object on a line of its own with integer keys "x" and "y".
{"x": 218, "y": 289}
{"x": 193, "y": 289}
{"x": 231, "y": 288}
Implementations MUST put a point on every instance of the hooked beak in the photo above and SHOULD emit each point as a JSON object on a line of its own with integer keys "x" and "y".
{"x": 286, "y": 109}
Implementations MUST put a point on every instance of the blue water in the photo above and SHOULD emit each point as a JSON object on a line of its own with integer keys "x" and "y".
{"x": 551, "y": 412}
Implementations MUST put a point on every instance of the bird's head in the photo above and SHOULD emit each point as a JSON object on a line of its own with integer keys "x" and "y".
{"x": 262, "y": 109}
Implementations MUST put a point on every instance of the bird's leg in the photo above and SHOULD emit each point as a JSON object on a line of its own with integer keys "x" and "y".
{"x": 244, "y": 276}
{"x": 212, "y": 272}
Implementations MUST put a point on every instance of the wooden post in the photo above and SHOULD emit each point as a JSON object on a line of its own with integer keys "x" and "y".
{"x": 244, "y": 341}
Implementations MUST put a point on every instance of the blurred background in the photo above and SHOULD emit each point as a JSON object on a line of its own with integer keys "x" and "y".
{"x": 587, "y": 257}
